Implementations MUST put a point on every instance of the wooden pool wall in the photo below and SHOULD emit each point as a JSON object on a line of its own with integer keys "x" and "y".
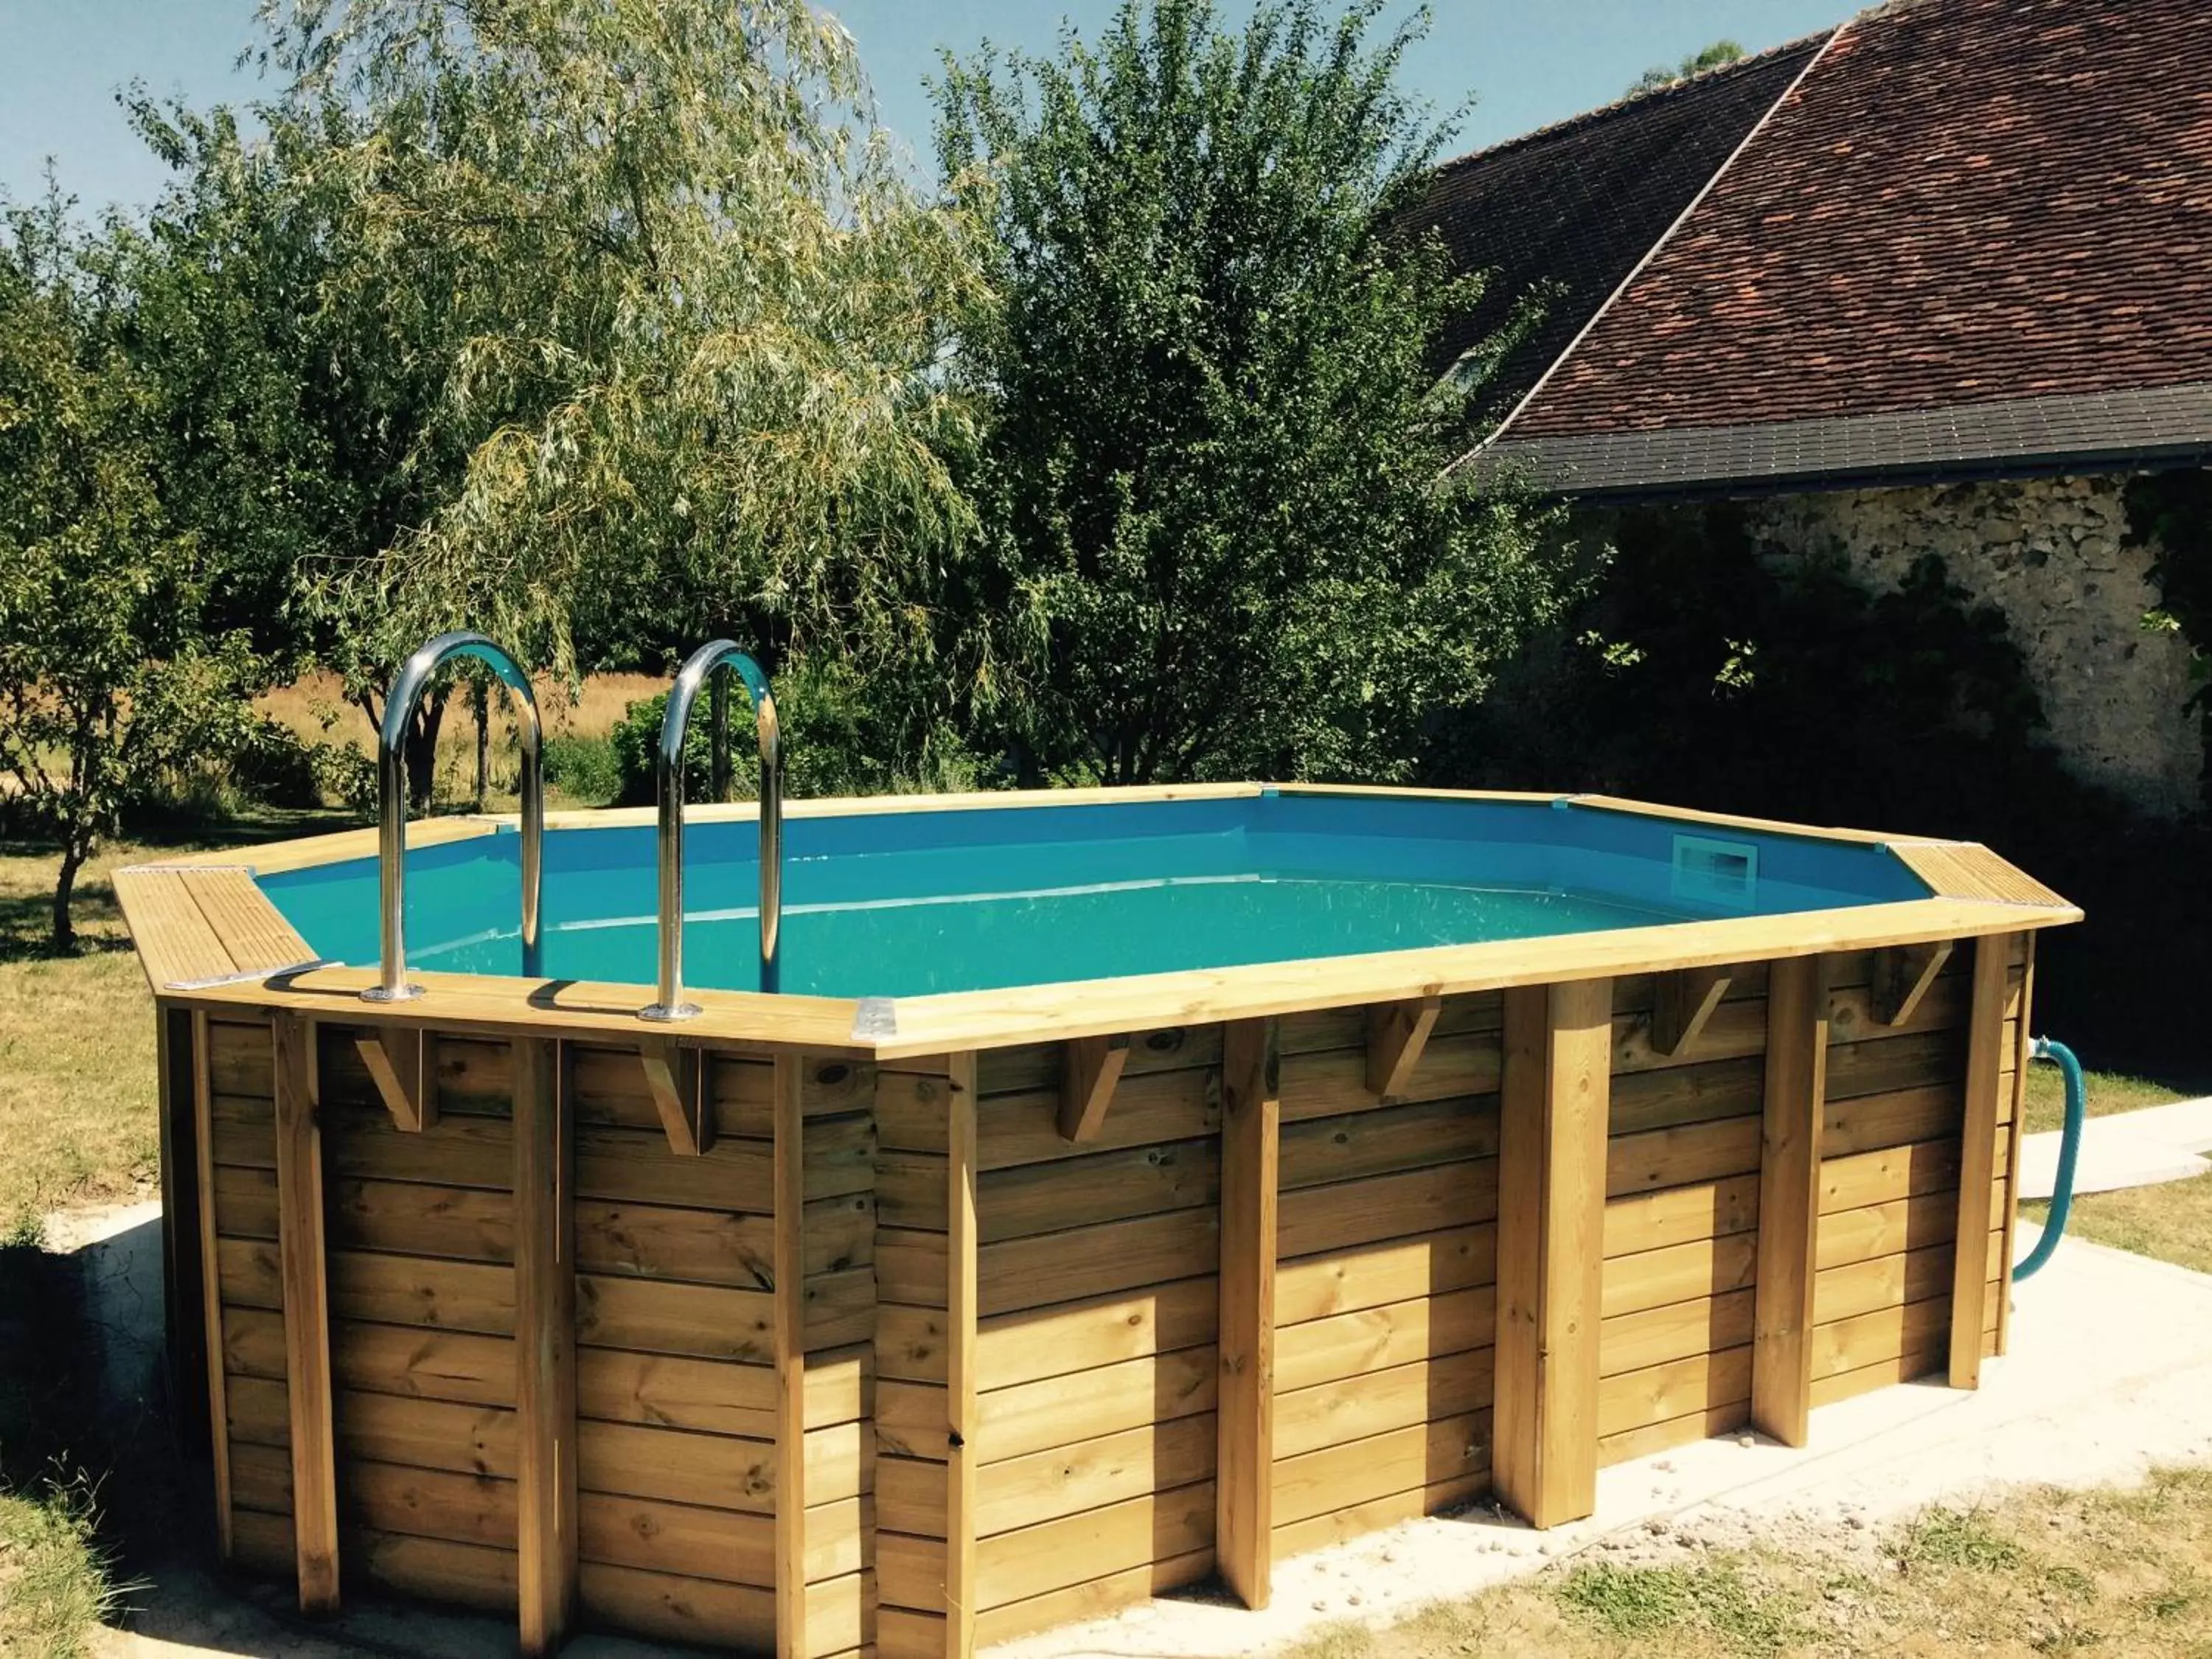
{"x": 806, "y": 1353}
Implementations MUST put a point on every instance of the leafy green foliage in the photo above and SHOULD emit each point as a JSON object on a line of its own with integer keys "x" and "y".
{"x": 2172, "y": 514}
{"x": 586, "y": 770}
{"x": 1713, "y": 57}
{"x": 1214, "y": 539}
{"x": 107, "y": 684}
{"x": 675, "y": 314}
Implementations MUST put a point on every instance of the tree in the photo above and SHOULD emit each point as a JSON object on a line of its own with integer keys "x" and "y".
{"x": 1713, "y": 57}
{"x": 1217, "y": 542}
{"x": 105, "y": 683}
{"x": 671, "y": 317}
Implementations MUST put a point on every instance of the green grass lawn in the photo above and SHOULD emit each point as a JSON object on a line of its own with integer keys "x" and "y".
{"x": 2173, "y": 1221}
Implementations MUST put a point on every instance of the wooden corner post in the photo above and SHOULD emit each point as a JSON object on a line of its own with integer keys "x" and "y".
{"x": 306, "y": 1313}
{"x": 545, "y": 1345}
{"x": 960, "y": 1314}
{"x": 1550, "y": 1245}
{"x": 789, "y": 1267}
{"x": 1977, "y": 1153}
{"x": 1251, "y": 1122}
{"x": 1789, "y": 1197}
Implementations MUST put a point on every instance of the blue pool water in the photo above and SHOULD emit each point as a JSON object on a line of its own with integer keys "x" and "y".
{"x": 909, "y": 903}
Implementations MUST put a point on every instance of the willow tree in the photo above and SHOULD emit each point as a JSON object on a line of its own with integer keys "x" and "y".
{"x": 1211, "y": 479}
{"x": 683, "y": 315}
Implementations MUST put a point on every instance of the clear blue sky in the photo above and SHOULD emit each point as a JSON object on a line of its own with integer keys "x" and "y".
{"x": 1528, "y": 62}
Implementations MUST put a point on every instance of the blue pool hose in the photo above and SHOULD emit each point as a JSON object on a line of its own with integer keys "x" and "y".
{"x": 2069, "y": 1146}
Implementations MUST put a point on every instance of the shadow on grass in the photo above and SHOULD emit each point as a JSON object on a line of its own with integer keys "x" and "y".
{"x": 27, "y": 916}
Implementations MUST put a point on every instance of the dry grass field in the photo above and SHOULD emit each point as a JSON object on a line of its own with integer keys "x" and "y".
{"x": 2126, "y": 1573}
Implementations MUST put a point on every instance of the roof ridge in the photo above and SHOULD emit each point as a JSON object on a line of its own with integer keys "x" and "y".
{"x": 1703, "y": 79}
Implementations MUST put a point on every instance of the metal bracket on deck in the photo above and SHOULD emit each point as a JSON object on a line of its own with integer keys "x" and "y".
{"x": 873, "y": 1019}
{"x": 250, "y": 976}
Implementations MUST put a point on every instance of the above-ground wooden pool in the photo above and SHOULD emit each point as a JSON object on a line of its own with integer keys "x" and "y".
{"x": 1127, "y": 1187}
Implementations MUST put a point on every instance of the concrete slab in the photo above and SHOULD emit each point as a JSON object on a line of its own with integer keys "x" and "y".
{"x": 2127, "y": 1149}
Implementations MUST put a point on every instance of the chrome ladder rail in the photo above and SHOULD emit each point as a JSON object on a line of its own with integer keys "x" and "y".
{"x": 407, "y": 690}
{"x": 668, "y": 787}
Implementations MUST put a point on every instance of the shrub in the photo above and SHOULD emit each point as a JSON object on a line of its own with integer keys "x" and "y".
{"x": 586, "y": 770}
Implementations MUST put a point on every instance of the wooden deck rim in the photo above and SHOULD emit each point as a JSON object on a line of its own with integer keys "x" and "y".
{"x": 216, "y": 939}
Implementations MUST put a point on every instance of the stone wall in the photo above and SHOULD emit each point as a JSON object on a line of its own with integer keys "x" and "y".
{"x": 2051, "y": 554}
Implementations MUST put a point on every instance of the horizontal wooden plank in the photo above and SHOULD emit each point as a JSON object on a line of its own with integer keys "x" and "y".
{"x": 1014, "y": 1129}
{"x": 1660, "y": 1394}
{"x": 1076, "y": 1336}
{"x": 1866, "y": 1123}
{"x": 1679, "y": 1215}
{"x": 1349, "y": 1212}
{"x": 635, "y": 1166}
{"x": 1657, "y": 1099}
{"x": 675, "y": 1392}
{"x": 716, "y": 1471}
{"x": 248, "y": 1273}
{"x": 265, "y": 1544}
{"x": 435, "y": 1570}
{"x": 1635, "y": 1341}
{"x": 664, "y": 1607}
{"x": 1850, "y": 1343}
{"x": 419, "y": 1291}
{"x": 459, "y": 1366}
{"x": 1093, "y": 1597}
{"x": 1361, "y": 1471}
{"x": 688, "y": 1540}
{"x": 242, "y": 1059}
{"x": 1680, "y": 1272}
{"x": 1372, "y": 1340}
{"x": 1886, "y": 1065}
{"x": 1357, "y": 1409}
{"x": 1356, "y": 1144}
{"x": 427, "y": 1434}
{"x": 1451, "y": 1067}
{"x": 1335, "y": 1527}
{"x": 441, "y": 1504}
{"x": 463, "y": 1223}
{"x": 1644, "y": 1440}
{"x": 363, "y": 1143}
{"x": 1886, "y": 1229}
{"x": 1013, "y": 1070}
{"x": 1059, "y": 1411}
{"x": 246, "y": 1200}
{"x": 257, "y": 1411}
{"x": 1089, "y": 1261}
{"x": 1680, "y": 1156}
{"x": 611, "y": 1088}
{"x": 1114, "y": 1186}
{"x": 1024, "y": 1492}
{"x": 1016, "y": 1565}
{"x": 261, "y": 1477}
{"x": 717, "y": 1247}
{"x": 242, "y": 1132}
{"x": 714, "y": 1321}
{"x": 1374, "y": 1275}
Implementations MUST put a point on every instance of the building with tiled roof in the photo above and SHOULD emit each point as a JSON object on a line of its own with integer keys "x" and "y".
{"x": 1938, "y": 279}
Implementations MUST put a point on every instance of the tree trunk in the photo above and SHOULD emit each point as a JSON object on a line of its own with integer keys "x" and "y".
{"x": 422, "y": 749}
{"x": 480, "y": 706}
{"x": 74, "y": 853}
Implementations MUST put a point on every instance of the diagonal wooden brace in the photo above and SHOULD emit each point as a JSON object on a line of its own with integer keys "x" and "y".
{"x": 402, "y": 1062}
{"x": 1397, "y": 1032}
{"x": 1902, "y": 974}
{"x": 1681, "y": 1002}
{"x": 1091, "y": 1069}
{"x": 677, "y": 1075}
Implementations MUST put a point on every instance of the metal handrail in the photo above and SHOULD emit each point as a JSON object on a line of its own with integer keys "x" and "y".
{"x": 407, "y": 690}
{"x": 668, "y": 787}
